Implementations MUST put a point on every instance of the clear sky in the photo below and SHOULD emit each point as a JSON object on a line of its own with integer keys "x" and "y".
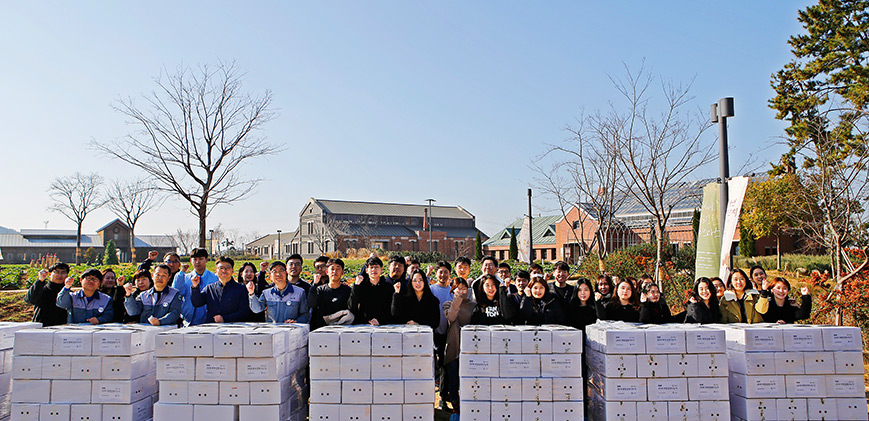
{"x": 392, "y": 101}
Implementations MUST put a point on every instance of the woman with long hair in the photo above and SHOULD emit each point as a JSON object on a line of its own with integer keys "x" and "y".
{"x": 542, "y": 306}
{"x": 654, "y": 310}
{"x": 417, "y": 305}
{"x": 495, "y": 306}
{"x": 581, "y": 309}
{"x": 783, "y": 309}
{"x": 741, "y": 302}
{"x": 624, "y": 305}
{"x": 703, "y": 307}
{"x": 247, "y": 274}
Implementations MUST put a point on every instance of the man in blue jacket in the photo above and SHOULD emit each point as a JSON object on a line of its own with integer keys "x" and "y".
{"x": 283, "y": 303}
{"x": 160, "y": 305}
{"x": 87, "y": 305}
{"x": 189, "y": 312}
{"x": 225, "y": 301}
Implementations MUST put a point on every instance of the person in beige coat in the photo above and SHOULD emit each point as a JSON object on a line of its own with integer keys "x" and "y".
{"x": 741, "y": 302}
{"x": 458, "y": 313}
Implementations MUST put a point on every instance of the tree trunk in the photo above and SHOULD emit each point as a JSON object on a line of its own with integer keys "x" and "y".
{"x": 132, "y": 244}
{"x": 78, "y": 243}
{"x": 778, "y": 250}
{"x": 837, "y": 269}
{"x": 659, "y": 231}
{"x": 202, "y": 216}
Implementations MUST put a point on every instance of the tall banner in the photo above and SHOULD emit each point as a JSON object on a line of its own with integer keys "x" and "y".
{"x": 525, "y": 241}
{"x": 709, "y": 234}
{"x": 736, "y": 187}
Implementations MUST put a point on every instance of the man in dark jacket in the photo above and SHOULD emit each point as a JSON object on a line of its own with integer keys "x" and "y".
{"x": 397, "y": 271}
{"x": 225, "y": 301}
{"x": 43, "y": 295}
{"x": 371, "y": 299}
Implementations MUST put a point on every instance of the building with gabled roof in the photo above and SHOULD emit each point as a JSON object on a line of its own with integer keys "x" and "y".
{"x": 543, "y": 237}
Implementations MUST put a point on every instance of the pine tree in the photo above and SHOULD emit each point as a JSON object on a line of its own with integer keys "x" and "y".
{"x": 478, "y": 247}
{"x": 514, "y": 248}
{"x": 111, "y": 257}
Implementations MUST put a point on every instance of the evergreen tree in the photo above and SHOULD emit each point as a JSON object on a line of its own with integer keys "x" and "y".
{"x": 111, "y": 257}
{"x": 478, "y": 247}
{"x": 514, "y": 248}
{"x": 746, "y": 242}
{"x": 695, "y": 224}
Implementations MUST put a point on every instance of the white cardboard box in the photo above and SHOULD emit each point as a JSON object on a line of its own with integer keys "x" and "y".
{"x": 752, "y": 363}
{"x": 475, "y": 388}
{"x": 359, "y": 392}
{"x": 756, "y": 387}
{"x": 652, "y": 410}
{"x": 683, "y": 365}
{"x": 653, "y": 366}
{"x": 506, "y": 341}
{"x": 667, "y": 389}
{"x": 561, "y": 365}
{"x": 478, "y": 365}
{"x": 73, "y": 342}
{"x": 791, "y": 409}
{"x": 271, "y": 392}
{"x": 476, "y": 340}
{"x": 176, "y": 368}
{"x": 536, "y": 411}
{"x": 71, "y": 391}
{"x": 204, "y": 393}
{"x": 419, "y": 392}
{"x": 505, "y": 410}
{"x": 85, "y": 412}
{"x": 612, "y": 365}
{"x": 849, "y": 362}
{"x": 388, "y": 391}
{"x": 215, "y": 369}
{"x": 326, "y": 391}
{"x": 54, "y": 412}
{"x": 261, "y": 369}
{"x": 31, "y": 391}
{"x": 789, "y": 363}
{"x": 845, "y": 386}
{"x": 567, "y": 411}
{"x": 386, "y": 412}
{"x": 137, "y": 411}
{"x": 568, "y": 389}
{"x": 172, "y": 412}
{"x": 174, "y": 391}
{"x": 617, "y": 341}
{"x": 25, "y": 412}
{"x": 33, "y": 342}
{"x": 123, "y": 391}
{"x": 851, "y": 408}
{"x": 689, "y": 411}
{"x": 665, "y": 341}
{"x": 506, "y": 390}
{"x": 27, "y": 367}
{"x": 519, "y": 365}
{"x": 198, "y": 344}
{"x": 56, "y": 368}
{"x": 386, "y": 342}
{"x": 324, "y": 342}
{"x": 707, "y": 388}
{"x": 265, "y": 343}
{"x": 566, "y": 340}
{"x": 715, "y": 410}
{"x": 842, "y": 338}
{"x": 476, "y": 411}
{"x": 170, "y": 344}
{"x": 215, "y": 413}
{"x": 536, "y": 341}
{"x": 355, "y": 342}
{"x": 712, "y": 365}
{"x": 355, "y": 412}
{"x": 355, "y": 368}
{"x": 822, "y": 409}
{"x": 703, "y": 340}
{"x": 754, "y": 338}
{"x": 233, "y": 393}
{"x": 118, "y": 342}
{"x": 323, "y": 412}
{"x": 539, "y": 389}
{"x": 617, "y": 389}
{"x": 419, "y": 342}
{"x": 417, "y": 412}
{"x": 125, "y": 368}
{"x": 325, "y": 368}
{"x": 228, "y": 344}
{"x": 802, "y": 338}
{"x": 385, "y": 368}
{"x": 85, "y": 368}
{"x": 806, "y": 386}
{"x": 417, "y": 368}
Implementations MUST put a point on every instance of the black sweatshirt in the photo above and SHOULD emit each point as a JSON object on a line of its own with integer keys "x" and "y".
{"x": 369, "y": 301}
{"x": 405, "y": 307}
{"x": 546, "y": 310}
{"x": 42, "y": 295}
{"x": 323, "y": 301}
{"x": 790, "y": 313}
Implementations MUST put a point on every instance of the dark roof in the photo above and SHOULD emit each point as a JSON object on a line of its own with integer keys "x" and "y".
{"x": 379, "y": 230}
{"x": 542, "y": 230}
{"x": 112, "y": 222}
{"x": 682, "y": 196}
{"x": 344, "y": 207}
{"x": 18, "y": 240}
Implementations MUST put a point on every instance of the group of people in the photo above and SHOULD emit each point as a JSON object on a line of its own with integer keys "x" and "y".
{"x": 398, "y": 293}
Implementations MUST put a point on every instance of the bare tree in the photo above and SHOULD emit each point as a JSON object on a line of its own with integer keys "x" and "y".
{"x": 75, "y": 197}
{"x": 129, "y": 201}
{"x": 184, "y": 240}
{"x": 330, "y": 232}
{"x": 195, "y": 132}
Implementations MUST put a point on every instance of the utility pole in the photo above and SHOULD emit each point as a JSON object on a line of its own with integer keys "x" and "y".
{"x": 430, "y": 220}
{"x": 279, "y": 246}
{"x": 530, "y": 231}
{"x": 720, "y": 112}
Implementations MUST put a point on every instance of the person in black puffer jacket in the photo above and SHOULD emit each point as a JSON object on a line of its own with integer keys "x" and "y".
{"x": 581, "y": 310}
{"x": 654, "y": 310}
{"x": 624, "y": 305}
{"x": 703, "y": 307}
{"x": 371, "y": 298}
{"x": 541, "y": 306}
{"x": 417, "y": 305}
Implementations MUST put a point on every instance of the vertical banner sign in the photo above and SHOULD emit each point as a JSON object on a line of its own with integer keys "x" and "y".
{"x": 525, "y": 241}
{"x": 708, "y": 239}
{"x": 735, "y": 194}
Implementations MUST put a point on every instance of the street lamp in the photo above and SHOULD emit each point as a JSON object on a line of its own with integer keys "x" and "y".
{"x": 430, "y": 219}
{"x": 211, "y": 242}
{"x": 720, "y": 112}
{"x": 279, "y": 245}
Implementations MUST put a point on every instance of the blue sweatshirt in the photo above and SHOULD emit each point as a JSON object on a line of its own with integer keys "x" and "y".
{"x": 80, "y": 308}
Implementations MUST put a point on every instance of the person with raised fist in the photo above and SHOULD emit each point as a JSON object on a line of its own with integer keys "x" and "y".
{"x": 416, "y": 304}
{"x": 782, "y": 309}
{"x": 87, "y": 305}
{"x": 190, "y": 313}
{"x": 283, "y": 303}
{"x": 160, "y": 305}
{"x": 42, "y": 295}
{"x": 225, "y": 301}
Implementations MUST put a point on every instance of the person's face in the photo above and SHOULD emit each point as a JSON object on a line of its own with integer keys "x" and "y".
{"x": 490, "y": 289}
{"x": 90, "y": 284}
{"x": 758, "y": 275}
{"x": 198, "y": 263}
{"x": 488, "y": 267}
{"x": 522, "y": 283}
{"x": 703, "y": 291}
{"x": 536, "y": 272}
{"x": 583, "y": 292}
{"x": 418, "y": 283}
{"x": 294, "y": 268}
{"x": 59, "y": 275}
{"x": 463, "y": 270}
{"x": 719, "y": 288}
{"x": 278, "y": 275}
{"x": 336, "y": 272}
{"x": 443, "y": 275}
{"x": 603, "y": 287}
{"x": 504, "y": 273}
{"x": 224, "y": 270}
{"x": 109, "y": 280}
{"x": 461, "y": 291}
{"x": 396, "y": 269}
{"x": 738, "y": 281}
{"x": 161, "y": 278}
{"x": 374, "y": 272}
{"x": 538, "y": 290}
{"x": 173, "y": 262}
{"x": 780, "y": 291}
{"x": 653, "y": 295}
{"x": 624, "y": 291}
{"x": 560, "y": 275}
{"x": 320, "y": 267}
{"x": 142, "y": 283}
{"x": 248, "y": 274}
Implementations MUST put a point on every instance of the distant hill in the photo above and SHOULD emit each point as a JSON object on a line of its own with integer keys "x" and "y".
{"x": 4, "y": 230}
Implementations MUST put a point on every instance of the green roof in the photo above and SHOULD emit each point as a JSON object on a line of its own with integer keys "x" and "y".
{"x": 542, "y": 230}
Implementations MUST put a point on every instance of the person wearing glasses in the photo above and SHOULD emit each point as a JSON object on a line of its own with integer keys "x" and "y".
{"x": 283, "y": 303}
{"x": 190, "y": 313}
{"x": 225, "y": 301}
{"x": 87, "y": 305}
{"x": 294, "y": 272}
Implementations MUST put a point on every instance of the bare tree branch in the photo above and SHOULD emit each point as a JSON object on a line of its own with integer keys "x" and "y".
{"x": 75, "y": 197}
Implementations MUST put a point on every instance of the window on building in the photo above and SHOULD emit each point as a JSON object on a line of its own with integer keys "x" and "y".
{"x": 398, "y": 246}
{"x": 434, "y": 245}
{"x": 310, "y": 227}
{"x": 414, "y": 245}
{"x": 327, "y": 245}
{"x": 310, "y": 247}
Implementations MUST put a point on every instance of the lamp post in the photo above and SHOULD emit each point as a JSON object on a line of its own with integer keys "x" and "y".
{"x": 430, "y": 219}
{"x": 211, "y": 242}
{"x": 720, "y": 112}
{"x": 279, "y": 246}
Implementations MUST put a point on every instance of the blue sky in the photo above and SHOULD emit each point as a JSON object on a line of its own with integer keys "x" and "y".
{"x": 378, "y": 100}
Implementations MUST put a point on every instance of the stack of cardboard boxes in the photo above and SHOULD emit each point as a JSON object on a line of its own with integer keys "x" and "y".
{"x": 792, "y": 372}
{"x": 530, "y": 373}
{"x": 83, "y": 372}
{"x": 7, "y": 339}
{"x": 229, "y": 372}
{"x": 382, "y": 373}
{"x": 656, "y": 372}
